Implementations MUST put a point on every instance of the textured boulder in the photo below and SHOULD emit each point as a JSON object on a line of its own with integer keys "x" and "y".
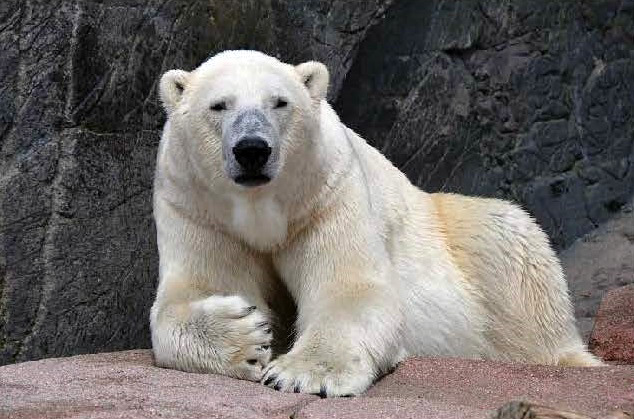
{"x": 126, "y": 384}
{"x": 530, "y": 100}
{"x": 613, "y": 334}
{"x": 600, "y": 261}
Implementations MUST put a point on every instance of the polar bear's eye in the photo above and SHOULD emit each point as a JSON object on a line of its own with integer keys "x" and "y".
{"x": 280, "y": 103}
{"x": 220, "y": 106}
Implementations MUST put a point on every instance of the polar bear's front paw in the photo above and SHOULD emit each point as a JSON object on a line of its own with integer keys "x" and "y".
{"x": 240, "y": 334}
{"x": 301, "y": 373}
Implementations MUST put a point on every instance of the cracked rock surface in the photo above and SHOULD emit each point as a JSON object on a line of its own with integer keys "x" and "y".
{"x": 527, "y": 100}
{"x": 531, "y": 101}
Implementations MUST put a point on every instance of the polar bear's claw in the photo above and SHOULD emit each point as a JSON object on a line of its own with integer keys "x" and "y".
{"x": 294, "y": 373}
{"x": 323, "y": 393}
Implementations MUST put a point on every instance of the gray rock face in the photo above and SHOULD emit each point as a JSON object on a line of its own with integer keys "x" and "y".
{"x": 532, "y": 101}
{"x": 598, "y": 262}
{"x": 527, "y": 100}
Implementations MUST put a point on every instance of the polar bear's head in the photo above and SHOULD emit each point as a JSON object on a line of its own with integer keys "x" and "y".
{"x": 243, "y": 113}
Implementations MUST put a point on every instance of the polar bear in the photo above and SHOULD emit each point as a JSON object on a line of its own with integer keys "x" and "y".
{"x": 278, "y": 225}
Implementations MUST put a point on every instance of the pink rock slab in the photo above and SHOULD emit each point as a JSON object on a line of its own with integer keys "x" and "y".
{"x": 126, "y": 384}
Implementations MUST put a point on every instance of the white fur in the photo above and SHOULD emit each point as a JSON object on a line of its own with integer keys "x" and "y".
{"x": 260, "y": 221}
{"x": 378, "y": 269}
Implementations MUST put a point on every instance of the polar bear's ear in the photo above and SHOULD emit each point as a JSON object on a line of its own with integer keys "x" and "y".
{"x": 314, "y": 75}
{"x": 171, "y": 88}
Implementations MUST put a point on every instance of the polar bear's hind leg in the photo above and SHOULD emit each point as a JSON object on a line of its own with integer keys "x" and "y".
{"x": 517, "y": 279}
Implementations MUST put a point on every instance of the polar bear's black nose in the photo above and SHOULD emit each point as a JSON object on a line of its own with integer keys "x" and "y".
{"x": 252, "y": 153}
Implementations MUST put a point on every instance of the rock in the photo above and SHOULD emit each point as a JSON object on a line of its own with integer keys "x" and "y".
{"x": 521, "y": 410}
{"x": 388, "y": 408}
{"x": 528, "y": 100}
{"x": 613, "y": 334}
{"x": 126, "y": 384}
{"x": 488, "y": 385}
{"x": 600, "y": 261}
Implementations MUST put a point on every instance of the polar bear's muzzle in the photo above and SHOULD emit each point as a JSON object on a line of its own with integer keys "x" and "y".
{"x": 250, "y": 150}
{"x": 252, "y": 154}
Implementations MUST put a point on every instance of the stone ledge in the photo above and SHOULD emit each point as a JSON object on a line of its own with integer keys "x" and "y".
{"x": 126, "y": 384}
